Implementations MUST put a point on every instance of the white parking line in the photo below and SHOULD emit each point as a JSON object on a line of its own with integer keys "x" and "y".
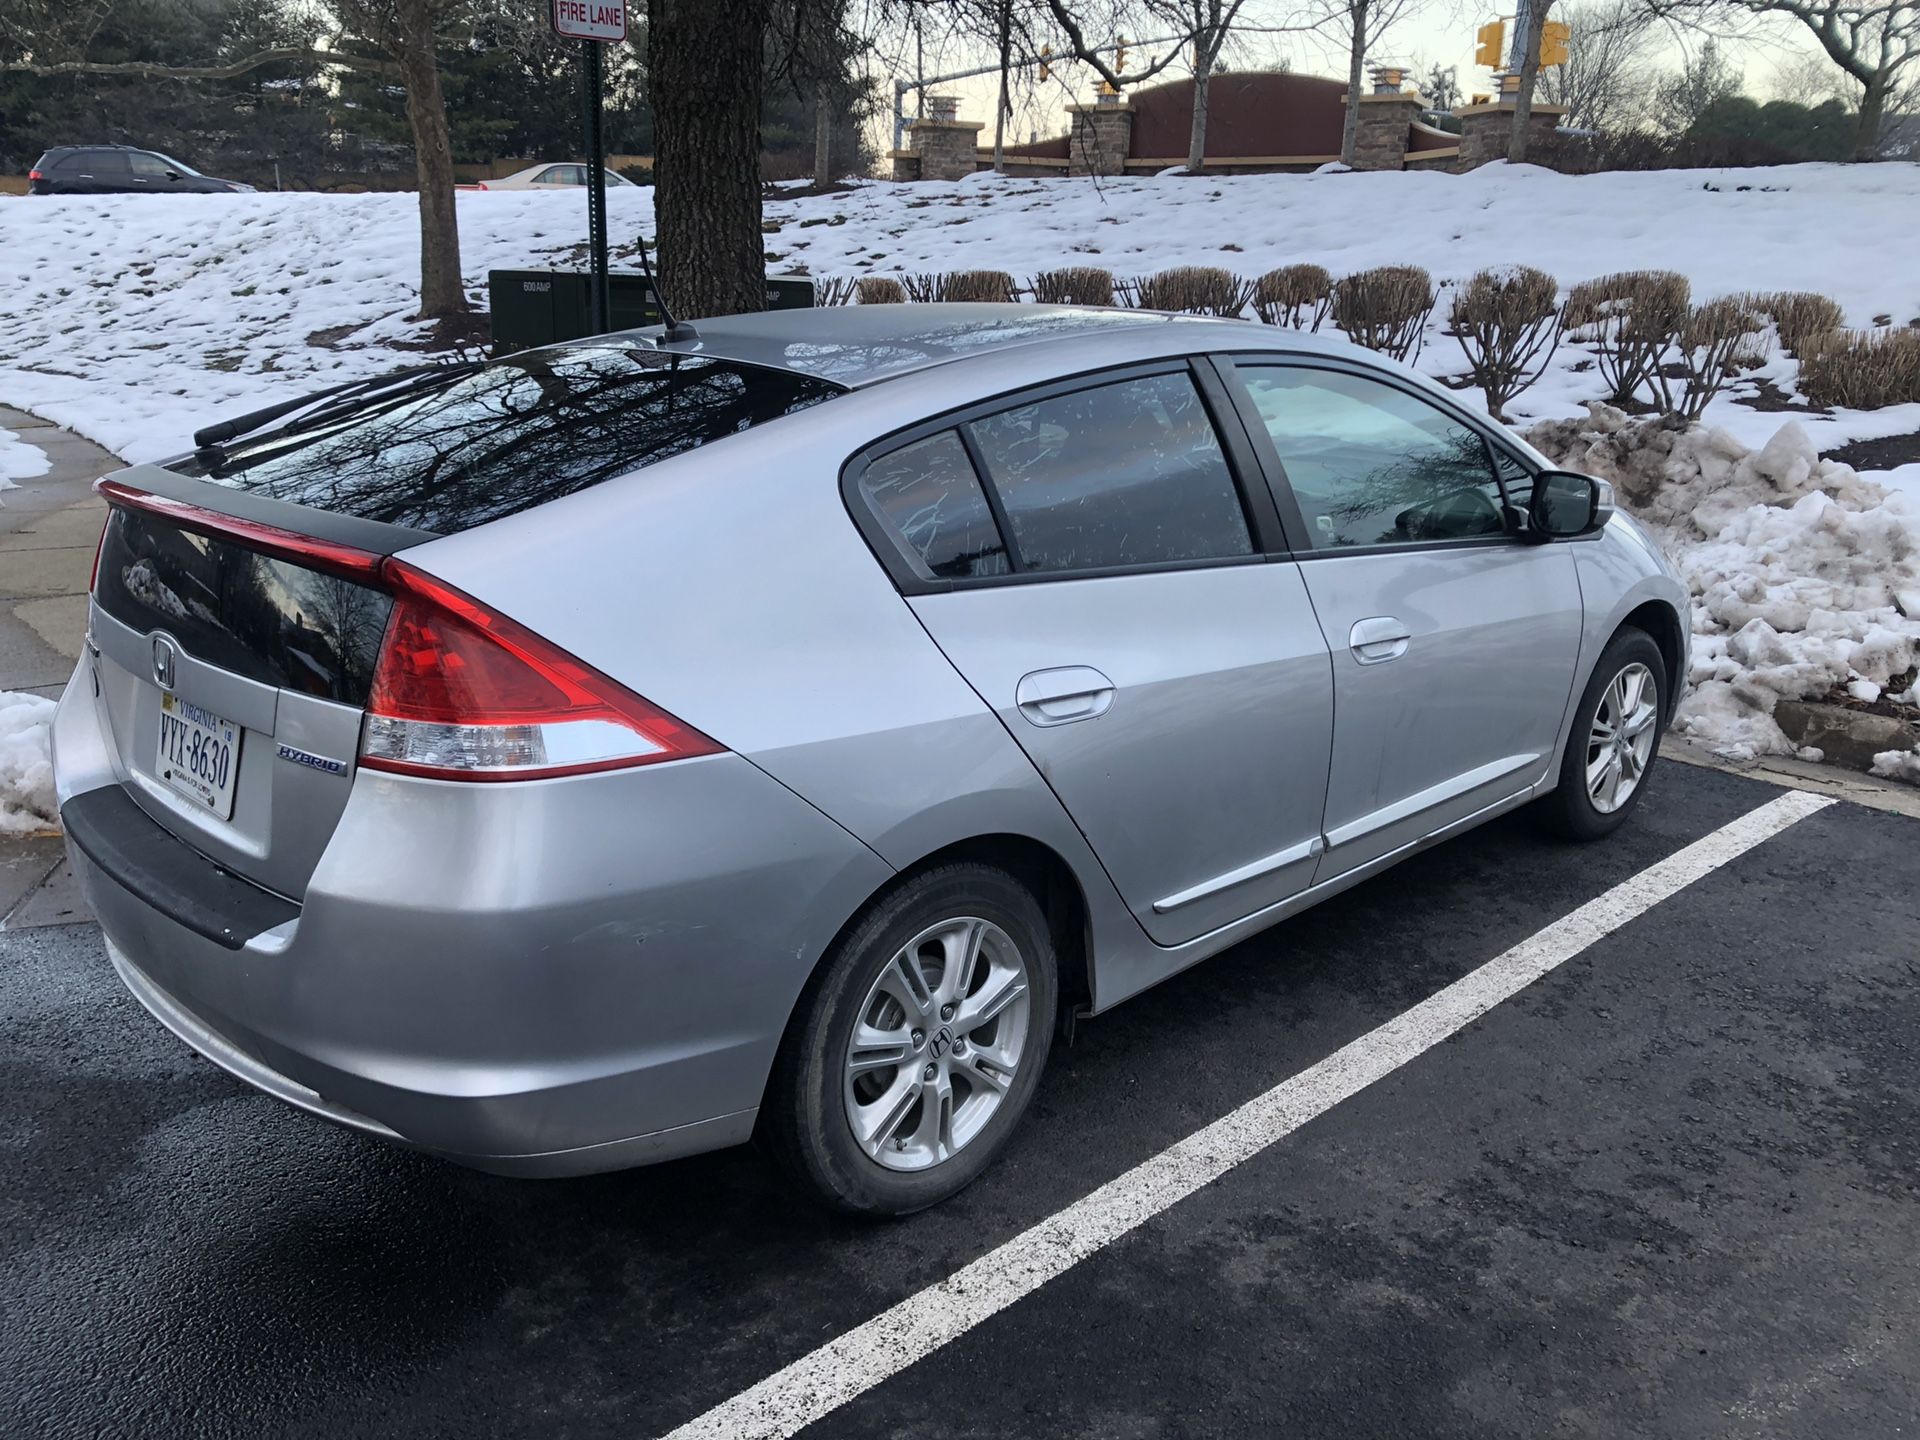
{"x": 819, "y": 1383}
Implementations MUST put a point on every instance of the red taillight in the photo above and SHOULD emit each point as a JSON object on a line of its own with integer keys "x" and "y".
{"x": 35, "y": 175}
{"x": 463, "y": 693}
{"x": 93, "y": 576}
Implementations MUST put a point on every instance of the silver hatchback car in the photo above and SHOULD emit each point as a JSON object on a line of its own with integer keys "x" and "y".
{"x": 630, "y": 747}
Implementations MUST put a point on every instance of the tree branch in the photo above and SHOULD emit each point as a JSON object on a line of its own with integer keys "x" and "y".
{"x": 153, "y": 70}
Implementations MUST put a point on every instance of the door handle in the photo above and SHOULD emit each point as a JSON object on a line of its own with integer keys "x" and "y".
{"x": 1378, "y": 638}
{"x": 1056, "y": 697}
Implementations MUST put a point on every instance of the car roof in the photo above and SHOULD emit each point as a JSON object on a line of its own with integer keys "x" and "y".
{"x": 856, "y": 345}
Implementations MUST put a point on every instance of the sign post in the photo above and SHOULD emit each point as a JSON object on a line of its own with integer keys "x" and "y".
{"x": 594, "y": 23}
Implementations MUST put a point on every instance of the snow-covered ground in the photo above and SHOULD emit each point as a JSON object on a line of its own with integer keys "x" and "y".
{"x": 136, "y": 320}
{"x": 19, "y": 460}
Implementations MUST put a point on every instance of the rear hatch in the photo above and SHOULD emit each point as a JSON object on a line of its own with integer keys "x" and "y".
{"x": 244, "y": 594}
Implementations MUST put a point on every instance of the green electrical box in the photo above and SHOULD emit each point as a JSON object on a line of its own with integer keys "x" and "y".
{"x": 543, "y": 307}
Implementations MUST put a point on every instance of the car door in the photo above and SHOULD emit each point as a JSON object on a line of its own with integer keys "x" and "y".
{"x": 1453, "y": 639}
{"x": 1087, "y": 556}
{"x": 104, "y": 172}
{"x": 152, "y": 174}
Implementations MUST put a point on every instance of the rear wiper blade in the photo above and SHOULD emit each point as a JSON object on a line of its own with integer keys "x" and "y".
{"x": 207, "y": 442}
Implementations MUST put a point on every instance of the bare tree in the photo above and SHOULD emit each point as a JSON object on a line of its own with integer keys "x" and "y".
{"x": 1360, "y": 23}
{"x": 1534, "y": 12}
{"x": 1875, "y": 42}
{"x": 1440, "y": 84}
{"x": 1209, "y": 22}
{"x": 1704, "y": 79}
{"x": 1604, "y": 83}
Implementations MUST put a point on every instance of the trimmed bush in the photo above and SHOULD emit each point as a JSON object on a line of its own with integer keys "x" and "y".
{"x": 1385, "y": 309}
{"x": 879, "y": 290}
{"x": 1297, "y": 296}
{"x": 1632, "y": 319}
{"x": 832, "y": 289}
{"x": 1799, "y": 316}
{"x": 991, "y": 286}
{"x": 1508, "y": 323}
{"x": 1714, "y": 340}
{"x": 1074, "y": 285}
{"x": 1196, "y": 289}
{"x": 1862, "y": 369}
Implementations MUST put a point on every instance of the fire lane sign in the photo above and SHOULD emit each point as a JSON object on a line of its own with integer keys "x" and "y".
{"x": 604, "y": 20}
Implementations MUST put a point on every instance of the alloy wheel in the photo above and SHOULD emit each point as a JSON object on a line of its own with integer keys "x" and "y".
{"x": 1620, "y": 739}
{"x": 936, "y": 1043}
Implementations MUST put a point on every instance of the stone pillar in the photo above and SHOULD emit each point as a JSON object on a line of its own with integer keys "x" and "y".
{"x": 947, "y": 147}
{"x": 1380, "y": 137}
{"x": 1486, "y": 130}
{"x": 1102, "y": 133}
{"x": 906, "y": 164}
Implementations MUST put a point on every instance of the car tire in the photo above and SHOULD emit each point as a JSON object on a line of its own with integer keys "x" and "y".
{"x": 1602, "y": 778}
{"x": 933, "y": 1109}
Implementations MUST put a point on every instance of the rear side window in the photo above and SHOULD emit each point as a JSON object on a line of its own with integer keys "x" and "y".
{"x": 513, "y": 435}
{"x": 101, "y": 163}
{"x": 1130, "y": 473}
{"x": 929, "y": 496}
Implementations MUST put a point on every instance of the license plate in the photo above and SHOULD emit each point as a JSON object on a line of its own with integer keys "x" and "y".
{"x": 199, "y": 754}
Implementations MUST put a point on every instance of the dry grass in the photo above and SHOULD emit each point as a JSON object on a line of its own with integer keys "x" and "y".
{"x": 879, "y": 290}
{"x": 1196, "y": 289}
{"x": 990, "y": 286}
{"x": 1799, "y": 316}
{"x": 1074, "y": 285}
{"x": 1632, "y": 319}
{"x": 1385, "y": 309}
{"x": 1862, "y": 369}
{"x": 1296, "y": 296}
{"x": 1508, "y": 323}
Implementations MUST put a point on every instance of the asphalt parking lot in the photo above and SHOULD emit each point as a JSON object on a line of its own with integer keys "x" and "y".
{"x": 1668, "y": 1188}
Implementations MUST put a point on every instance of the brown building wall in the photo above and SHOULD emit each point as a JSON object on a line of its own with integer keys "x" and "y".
{"x": 1248, "y": 114}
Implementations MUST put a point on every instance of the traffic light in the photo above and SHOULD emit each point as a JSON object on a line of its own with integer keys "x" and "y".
{"x": 1493, "y": 39}
{"x": 1046, "y": 69}
{"x": 1553, "y": 43}
{"x": 1120, "y": 55}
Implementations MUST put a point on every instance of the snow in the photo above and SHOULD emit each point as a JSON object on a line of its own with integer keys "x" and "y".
{"x": 1805, "y": 574}
{"x": 26, "y": 766}
{"x": 19, "y": 460}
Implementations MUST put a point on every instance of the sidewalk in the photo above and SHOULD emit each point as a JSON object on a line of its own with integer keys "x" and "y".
{"x": 48, "y": 529}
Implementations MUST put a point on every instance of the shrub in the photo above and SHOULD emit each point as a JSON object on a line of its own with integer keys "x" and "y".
{"x": 1197, "y": 289}
{"x": 1713, "y": 339}
{"x": 832, "y": 289}
{"x": 1508, "y": 323}
{"x": 1862, "y": 369}
{"x": 1632, "y": 319}
{"x": 1075, "y": 285}
{"x": 923, "y": 289}
{"x": 1799, "y": 316}
{"x": 1385, "y": 309}
{"x": 1296, "y": 296}
{"x": 993, "y": 286}
{"x": 879, "y": 290}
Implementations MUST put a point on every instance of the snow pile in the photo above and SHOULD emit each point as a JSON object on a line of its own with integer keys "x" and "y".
{"x": 1804, "y": 574}
{"x": 19, "y": 460}
{"x": 26, "y": 765}
{"x": 136, "y": 319}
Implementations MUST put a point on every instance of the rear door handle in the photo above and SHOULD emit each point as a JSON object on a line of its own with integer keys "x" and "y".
{"x": 1056, "y": 697}
{"x": 1378, "y": 638}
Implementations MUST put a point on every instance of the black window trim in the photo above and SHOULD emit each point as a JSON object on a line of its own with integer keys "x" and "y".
{"x": 1292, "y": 516}
{"x": 910, "y": 574}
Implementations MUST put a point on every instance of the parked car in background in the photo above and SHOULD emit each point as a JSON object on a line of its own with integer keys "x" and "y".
{"x": 565, "y": 175}
{"x": 624, "y": 748}
{"x": 121, "y": 170}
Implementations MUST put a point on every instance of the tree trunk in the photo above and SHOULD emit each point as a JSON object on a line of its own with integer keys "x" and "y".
{"x": 1197, "y": 136}
{"x": 705, "y": 77}
{"x": 822, "y": 137}
{"x": 1356, "y": 66}
{"x": 1529, "y": 77}
{"x": 441, "y": 292}
{"x": 1873, "y": 105}
{"x": 1000, "y": 105}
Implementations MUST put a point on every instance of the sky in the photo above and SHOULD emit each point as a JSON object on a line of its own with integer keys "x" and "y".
{"x": 1436, "y": 31}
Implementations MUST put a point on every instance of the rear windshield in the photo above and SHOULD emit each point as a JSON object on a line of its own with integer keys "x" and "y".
{"x": 516, "y": 434}
{"x": 263, "y": 618}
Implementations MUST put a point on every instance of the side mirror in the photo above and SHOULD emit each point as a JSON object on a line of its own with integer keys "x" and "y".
{"x": 1565, "y": 504}
{"x": 173, "y": 174}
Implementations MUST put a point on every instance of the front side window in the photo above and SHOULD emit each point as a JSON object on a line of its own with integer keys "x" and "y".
{"x": 1372, "y": 465}
{"x": 147, "y": 167}
{"x": 1129, "y": 473}
{"x": 929, "y": 495}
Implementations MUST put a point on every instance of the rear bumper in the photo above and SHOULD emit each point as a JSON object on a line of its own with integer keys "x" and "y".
{"x": 545, "y": 978}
